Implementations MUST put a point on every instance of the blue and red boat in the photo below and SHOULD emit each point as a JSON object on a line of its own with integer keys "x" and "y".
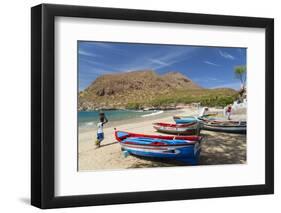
{"x": 192, "y": 128}
{"x": 183, "y": 148}
{"x": 185, "y": 119}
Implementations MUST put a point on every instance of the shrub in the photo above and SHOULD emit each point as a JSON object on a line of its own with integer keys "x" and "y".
{"x": 133, "y": 106}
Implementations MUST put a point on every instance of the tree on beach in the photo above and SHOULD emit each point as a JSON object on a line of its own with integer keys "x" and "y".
{"x": 240, "y": 73}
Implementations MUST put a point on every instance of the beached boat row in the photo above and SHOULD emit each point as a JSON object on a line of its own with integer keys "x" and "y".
{"x": 215, "y": 124}
{"x": 176, "y": 146}
{"x": 185, "y": 148}
{"x": 190, "y": 125}
{"x": 225, "y": 126}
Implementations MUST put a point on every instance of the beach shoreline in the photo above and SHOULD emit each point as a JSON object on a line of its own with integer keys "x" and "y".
{"x": 231, "y": 148}
{"x": 152, "y": 118}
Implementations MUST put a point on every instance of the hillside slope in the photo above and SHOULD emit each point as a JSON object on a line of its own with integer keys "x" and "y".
{"x": 143, "y": 89}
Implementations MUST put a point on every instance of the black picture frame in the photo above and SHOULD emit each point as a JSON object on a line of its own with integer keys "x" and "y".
{"x": 43, "y": 102}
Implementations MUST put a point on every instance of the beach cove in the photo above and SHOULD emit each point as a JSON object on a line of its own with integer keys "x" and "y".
{"x": 217, "y": 147}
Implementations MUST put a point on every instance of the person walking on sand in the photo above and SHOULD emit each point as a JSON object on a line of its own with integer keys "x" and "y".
{"x": 100, "y": 134}
{"x": 204, "y": 110}
{"x": 228, "y": 112}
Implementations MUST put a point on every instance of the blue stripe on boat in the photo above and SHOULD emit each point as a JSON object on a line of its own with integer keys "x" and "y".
{"x": 185, "y": 120}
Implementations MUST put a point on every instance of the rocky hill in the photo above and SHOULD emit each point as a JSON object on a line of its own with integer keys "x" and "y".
{"x": 139, "y": 89}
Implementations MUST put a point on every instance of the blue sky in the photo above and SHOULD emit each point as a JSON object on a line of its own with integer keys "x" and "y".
{"x": 210, "y": 67}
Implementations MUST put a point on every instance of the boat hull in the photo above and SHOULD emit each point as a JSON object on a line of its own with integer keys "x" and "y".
{"x": 178, "y": 149}
{"x": 225, "y": 126}
{"x": 121, "y": 135}
{"x": 228, "y": 129}
{"x": 184, "y": 120}
{"x": 178, "y": 129}
{"x": 189, "y": 153}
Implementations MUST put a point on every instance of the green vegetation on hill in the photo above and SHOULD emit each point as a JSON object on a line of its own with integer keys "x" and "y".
{"x": 211, "y": 98}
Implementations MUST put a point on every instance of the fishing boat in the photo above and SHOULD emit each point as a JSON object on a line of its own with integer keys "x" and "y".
{"x": 215, "y": 114}
{"x": 183, "y": 148}
{"x": 230, "y": 126}
{"x": 192, "y": 128}
{"x": 185, "y": 119}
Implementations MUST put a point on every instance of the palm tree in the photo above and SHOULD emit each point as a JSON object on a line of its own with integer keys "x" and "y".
{"x": 240, "y": 73}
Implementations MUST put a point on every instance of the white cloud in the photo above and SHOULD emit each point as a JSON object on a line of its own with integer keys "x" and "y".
{"x": 211, "y": 63}
{"x": 94, "y": 64}
{"x": 208, "y": 79}
{"x": 226, "y": 55}
{"x": 235, "y": 85}
{"x": 86, "y": 53}
{"x": 157, "y": 61}
{"x": 96, "y": 43}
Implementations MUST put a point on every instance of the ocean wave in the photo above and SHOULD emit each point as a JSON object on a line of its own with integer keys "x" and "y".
{"x": 87, "y": 124}
{"x": 152, "y": 114}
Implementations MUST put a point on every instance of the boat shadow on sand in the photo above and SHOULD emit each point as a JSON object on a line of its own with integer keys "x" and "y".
{"x": 218, "y": 148}
{"x": 223, "y": 148}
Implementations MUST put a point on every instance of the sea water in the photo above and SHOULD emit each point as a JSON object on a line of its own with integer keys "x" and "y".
{"x": 89, "y": 119}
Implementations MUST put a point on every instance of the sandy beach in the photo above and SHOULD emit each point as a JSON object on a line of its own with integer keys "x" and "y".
{"x": 217, "y": 148}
